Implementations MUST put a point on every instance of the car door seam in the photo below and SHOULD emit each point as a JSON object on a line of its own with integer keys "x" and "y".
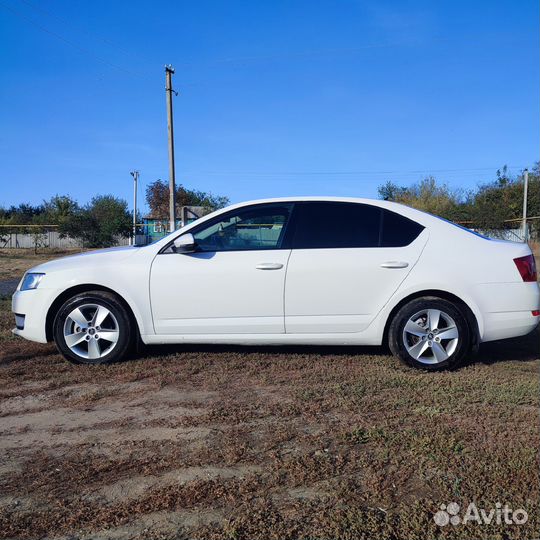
{"x": 150, "y": 292}
{"x": 285, "y": 289}
{"x": 402, "y": 281}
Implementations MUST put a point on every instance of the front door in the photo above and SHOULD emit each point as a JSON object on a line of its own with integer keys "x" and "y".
{"x": 233, "y": 284}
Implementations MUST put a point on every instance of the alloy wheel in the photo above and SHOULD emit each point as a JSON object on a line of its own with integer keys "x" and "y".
{"x": 91, "y": 331}
{"x": 431, "y": 336}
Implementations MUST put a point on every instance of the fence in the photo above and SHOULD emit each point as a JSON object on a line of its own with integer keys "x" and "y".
{"x": 53, "y": 239}
{"x": 513, "y": 235}
{"x": 513, "y": 230}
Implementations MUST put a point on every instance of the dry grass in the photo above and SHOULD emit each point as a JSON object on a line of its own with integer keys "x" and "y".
{"x": 283, "y": 443}
{"x": 14, "y": 262}
{"x": 226, "y": 442}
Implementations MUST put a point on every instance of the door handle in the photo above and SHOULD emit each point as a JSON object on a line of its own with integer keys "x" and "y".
{"x": 269, "y": 266}
{"x": 394, "y": 264}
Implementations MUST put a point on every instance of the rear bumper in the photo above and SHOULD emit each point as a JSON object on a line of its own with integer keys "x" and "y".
{"x": 508, "y": 325}
{"x": 507, "y": 309}
{"x": 33, "y": 306}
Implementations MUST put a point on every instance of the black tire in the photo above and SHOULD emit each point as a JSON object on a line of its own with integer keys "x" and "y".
{"x": 400, "y": 344}
{"x": 120, "y": 320}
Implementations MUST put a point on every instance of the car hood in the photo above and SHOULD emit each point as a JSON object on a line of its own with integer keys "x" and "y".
{"x": 100, "y": 257}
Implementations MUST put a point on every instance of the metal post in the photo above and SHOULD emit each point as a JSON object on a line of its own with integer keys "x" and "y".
{"x": 135, "y": 175}
{"x": 184, "y": 216}
{"x": 525, "y": 196}
{"x": 169, "y": 70}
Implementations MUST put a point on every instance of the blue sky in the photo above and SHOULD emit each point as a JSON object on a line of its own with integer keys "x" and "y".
{"x": 276, "y": 97}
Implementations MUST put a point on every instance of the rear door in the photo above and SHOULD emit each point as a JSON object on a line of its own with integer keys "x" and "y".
{"x": 347, "y": 261}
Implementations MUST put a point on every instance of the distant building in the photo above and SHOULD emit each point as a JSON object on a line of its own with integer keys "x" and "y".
{"x": 155, "y": 228}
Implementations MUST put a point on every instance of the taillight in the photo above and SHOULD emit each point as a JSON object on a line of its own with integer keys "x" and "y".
{"x": 527, "y": 267}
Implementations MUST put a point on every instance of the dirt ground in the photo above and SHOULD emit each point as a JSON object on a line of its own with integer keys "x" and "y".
{"x": 264, "y": 443}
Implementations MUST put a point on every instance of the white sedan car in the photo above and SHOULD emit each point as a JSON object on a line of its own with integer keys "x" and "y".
{"x": 332, "y": 271}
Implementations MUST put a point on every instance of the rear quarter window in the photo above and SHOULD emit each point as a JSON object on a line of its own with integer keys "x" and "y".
{"x": 397, "y": 230}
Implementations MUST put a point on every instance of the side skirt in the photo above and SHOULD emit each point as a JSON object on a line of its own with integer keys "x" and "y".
{"x": 362, "y": 338}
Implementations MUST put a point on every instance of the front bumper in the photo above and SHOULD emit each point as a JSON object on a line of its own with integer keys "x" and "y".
{"x": 33, "y": 305}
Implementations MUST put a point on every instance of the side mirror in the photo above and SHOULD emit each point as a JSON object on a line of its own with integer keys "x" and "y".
{"x": 185, "y": 244}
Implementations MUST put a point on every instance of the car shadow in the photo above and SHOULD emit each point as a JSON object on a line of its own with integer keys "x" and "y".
{"x": 146, "y": 351}
{"x": 524, "y": 348}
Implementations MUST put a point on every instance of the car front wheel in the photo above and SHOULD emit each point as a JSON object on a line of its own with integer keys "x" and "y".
{"x": 92, "y": 328}
{"x": 430, "y": 333}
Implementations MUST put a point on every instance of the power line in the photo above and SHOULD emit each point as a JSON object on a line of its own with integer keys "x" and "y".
{"x": 71, "y": 43}
{"x": 66, "y": 21}
{"x": 226, "y": 61}
{"x": 307, "y": 53}
{"x": 345, "y": 173}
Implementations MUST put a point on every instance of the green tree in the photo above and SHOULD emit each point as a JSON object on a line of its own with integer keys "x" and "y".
{"x": 157, "y": 198}
{"x": 39, "y": 237}
{"x": 23, "y": 214}
{"x": 497, "y": 202}
{"x": 58, "y": 209}
{"x": 391, "y": 191}
{"x": 492, "y": 206}
{"x": 429, "y": 196}
{"x": 99, "y": 223}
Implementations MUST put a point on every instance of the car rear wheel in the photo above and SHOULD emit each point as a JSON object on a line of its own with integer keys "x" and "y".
{"x": 430, "y": 333}
{"x": 92, "y": 328}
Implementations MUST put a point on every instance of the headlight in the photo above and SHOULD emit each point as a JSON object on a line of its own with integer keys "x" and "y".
{"x": 31, "y": 281}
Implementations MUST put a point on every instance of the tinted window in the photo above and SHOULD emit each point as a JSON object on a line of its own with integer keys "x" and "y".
{"x": 336, "y": 225}
{"x": 261, "y": 227}
{"x": 397, "y": 230}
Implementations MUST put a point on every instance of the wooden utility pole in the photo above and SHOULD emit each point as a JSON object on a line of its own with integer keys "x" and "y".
{"x": 169, "y": 70}
{"x": 135, "y": 175}
{"x": 525, "y": 196}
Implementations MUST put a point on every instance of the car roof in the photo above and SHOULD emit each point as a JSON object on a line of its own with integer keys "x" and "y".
{"x": 422, "y": 217}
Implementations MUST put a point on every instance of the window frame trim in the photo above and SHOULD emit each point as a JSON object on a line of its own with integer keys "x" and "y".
{"x": 286, "y": 241}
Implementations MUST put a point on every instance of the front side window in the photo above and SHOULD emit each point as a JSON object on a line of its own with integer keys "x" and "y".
{"x": 254, "y": 228}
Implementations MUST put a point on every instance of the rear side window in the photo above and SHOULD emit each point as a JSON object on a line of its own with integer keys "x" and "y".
{"x": 336, "y": 225}
{"x": 397, "y": 230}
{"x": 322, "y": 225}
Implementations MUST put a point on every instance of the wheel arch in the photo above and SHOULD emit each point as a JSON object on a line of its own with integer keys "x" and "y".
{"x": 469, "y": 314}
{"x": 78, "y": 289}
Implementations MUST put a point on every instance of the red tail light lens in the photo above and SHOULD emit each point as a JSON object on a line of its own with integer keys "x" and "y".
{"x": 527, "y": 267}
